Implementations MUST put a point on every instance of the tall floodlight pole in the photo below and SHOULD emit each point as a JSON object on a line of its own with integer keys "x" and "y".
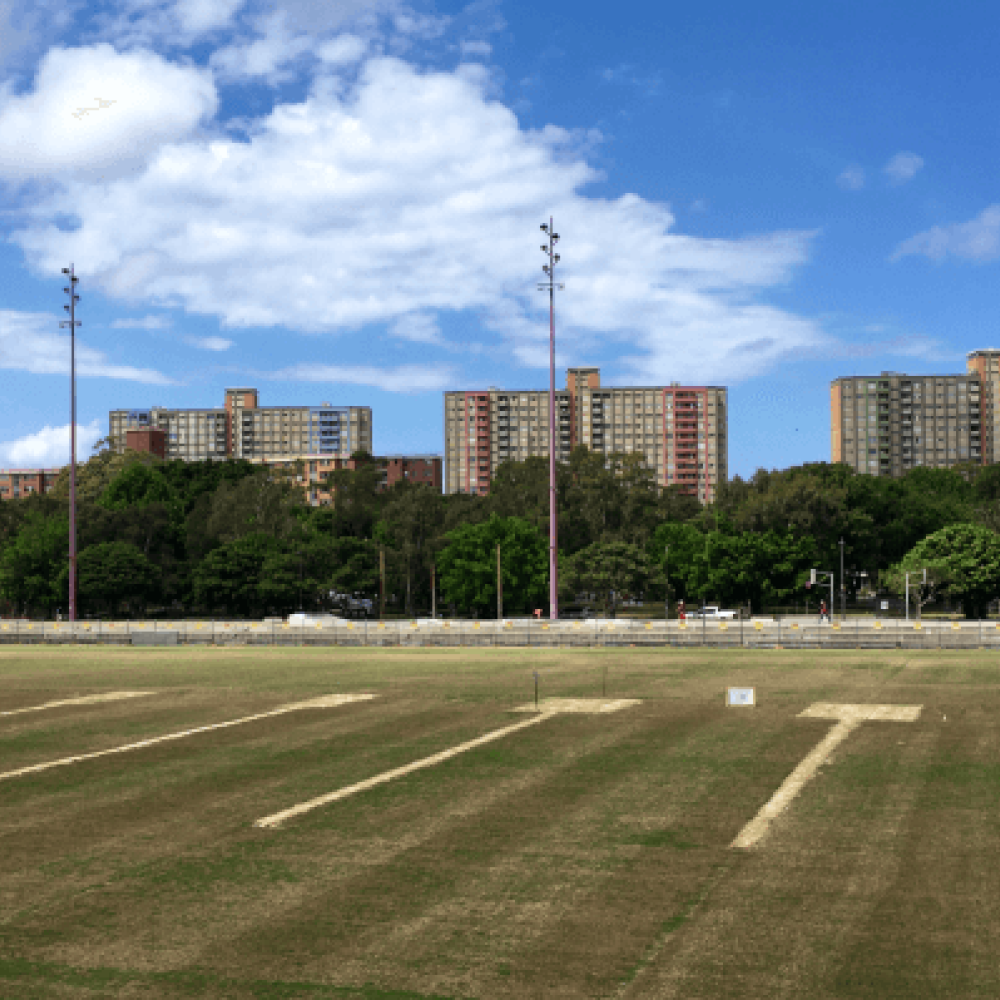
{"x": 550, "y": 285}
{"x": 72, "y": 323}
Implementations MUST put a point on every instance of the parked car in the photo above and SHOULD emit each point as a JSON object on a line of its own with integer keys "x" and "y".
{"x": 713, "y": 611}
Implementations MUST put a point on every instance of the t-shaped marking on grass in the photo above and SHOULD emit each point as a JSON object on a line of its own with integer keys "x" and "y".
{"x": 848, "y": 717}
{"x": 326, "y": 701}
{"x": 87, "y": 699}
{"x": 547, "y": 708}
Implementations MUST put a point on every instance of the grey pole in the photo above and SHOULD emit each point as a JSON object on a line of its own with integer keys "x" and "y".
{"x": 499, "y": 587}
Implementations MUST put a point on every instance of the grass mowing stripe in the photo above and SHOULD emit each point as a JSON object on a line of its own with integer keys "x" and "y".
{"x": 548, "y": 708}
{"x": 328, "y": 701}
{"x": 88, "y": 699}
{"x": 276, "y": 819}
{"x": 193, "y": 983}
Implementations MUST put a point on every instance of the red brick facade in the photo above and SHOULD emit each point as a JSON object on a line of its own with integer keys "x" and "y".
{"x": 16, "y": 483}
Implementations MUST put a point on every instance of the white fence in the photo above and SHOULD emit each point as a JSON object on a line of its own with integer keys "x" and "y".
{"x": 859, "y": 633}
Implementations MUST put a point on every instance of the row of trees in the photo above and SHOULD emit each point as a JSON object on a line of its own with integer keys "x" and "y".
{"x": 231, "y": 538}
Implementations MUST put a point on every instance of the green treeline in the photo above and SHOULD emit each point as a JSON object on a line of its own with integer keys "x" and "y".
{"x": 228, "y": 538}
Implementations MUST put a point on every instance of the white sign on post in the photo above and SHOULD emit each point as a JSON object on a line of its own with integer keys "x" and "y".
{"x": 740, "y": 696}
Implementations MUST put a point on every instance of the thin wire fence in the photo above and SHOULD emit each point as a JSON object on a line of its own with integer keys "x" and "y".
{"x": 804, "y": 633}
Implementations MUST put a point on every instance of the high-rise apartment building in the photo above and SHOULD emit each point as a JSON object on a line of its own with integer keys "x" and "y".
{"x": 680, "y": 430}
{"x": 242, "y": 429}
{"x": 886, "y": 425}
{"x": 986, "y": 364}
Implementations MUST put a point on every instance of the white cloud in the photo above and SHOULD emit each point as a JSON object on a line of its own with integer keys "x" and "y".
{"x": 420, "y": 328}
{"x": 146, "y": 323}
{"x": 148, "y": 23}
{"x": 852, "y": 178}
{"x": 209, "y": 343}
{"x": 270, "y": 56}
{"x": 49, "y": 447}
{"x": 97, "y": 110}
{"x": 404, "y": 378}
{"x": 30, "y": 342}
{"x": 344, "y": 50}
{"x": 196, "y": 17}
{"x": 977, "y": 240}
{"x": 473, "y": 49}
{"x": 409, "y": 193}
{"x": 903, "y": 167}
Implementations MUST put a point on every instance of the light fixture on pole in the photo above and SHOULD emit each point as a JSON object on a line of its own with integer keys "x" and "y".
{"x": 72, "y": 323}
{"x": 550, "y": 285}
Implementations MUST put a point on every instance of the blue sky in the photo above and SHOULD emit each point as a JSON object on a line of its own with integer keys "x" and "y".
{"x": 340, "y": 202}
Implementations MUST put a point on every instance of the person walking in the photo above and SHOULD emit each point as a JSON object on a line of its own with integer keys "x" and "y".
{"x": 823, "y": 612}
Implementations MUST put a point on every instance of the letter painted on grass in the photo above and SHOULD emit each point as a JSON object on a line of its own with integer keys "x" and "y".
{"x": 848, "y": 717}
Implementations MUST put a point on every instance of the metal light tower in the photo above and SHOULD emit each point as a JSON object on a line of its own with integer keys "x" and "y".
{"x": 72, "y": 323}
{"x": 550, "y": 285}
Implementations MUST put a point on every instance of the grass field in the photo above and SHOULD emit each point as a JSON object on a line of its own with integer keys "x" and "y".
{"x": 587, "y": 855}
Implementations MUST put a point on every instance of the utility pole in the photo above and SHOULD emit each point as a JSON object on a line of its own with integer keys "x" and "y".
{"x": 843, "y": 586}
{"x": 72, "y": 323}
{"x": 924, "y": 581}
{"x": 550, "y": 285}
{"x": 433, "y": 594}
{"x": 666, "y": 584}
{"x": 381, "y": 582}
{"x": 499, "y": 587}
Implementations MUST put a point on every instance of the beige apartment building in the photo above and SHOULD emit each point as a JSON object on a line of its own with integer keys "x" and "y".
{"x": 243, "y": 429}
{"x": 886, "y": 425}
{"x": 680, "y": 430}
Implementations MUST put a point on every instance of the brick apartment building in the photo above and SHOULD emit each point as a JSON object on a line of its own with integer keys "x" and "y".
{"x": 681, "y": 430}
{"x": 425, "y": 469}
{"x": 16, "y": 483}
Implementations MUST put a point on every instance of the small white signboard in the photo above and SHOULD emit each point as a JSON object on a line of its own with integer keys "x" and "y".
{"x": 740, "y": 696}
{"x": 885, "y": 605}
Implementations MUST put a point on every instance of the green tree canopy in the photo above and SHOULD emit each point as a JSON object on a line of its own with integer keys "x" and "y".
{"x": 228, "y": 579}
{"x": 963, "y": 561}
{"x": 751, "y": 569}
{"x": 138, "y": 485}
{"x": 468, "y": 570}
{"x": 113, "y": 574}
{"x": 611, "y": 569}
{"x": 410, "y": 525}
{"x": 34, "y": 564}
{"x": 685, "y": 542}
